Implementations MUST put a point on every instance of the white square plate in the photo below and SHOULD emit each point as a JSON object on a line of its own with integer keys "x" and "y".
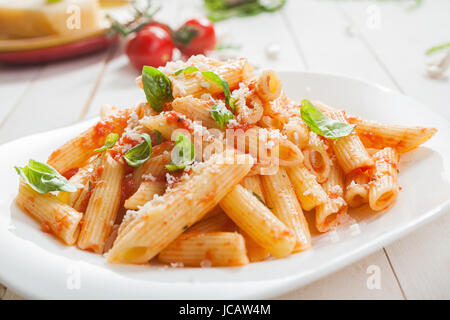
{"x": 36, "y": 265}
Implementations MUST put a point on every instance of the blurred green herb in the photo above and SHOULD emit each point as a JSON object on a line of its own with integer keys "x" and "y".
{"x": 224, "y": 9}
{"x": 142, "y": 16}
{"x": 438, "y": 48}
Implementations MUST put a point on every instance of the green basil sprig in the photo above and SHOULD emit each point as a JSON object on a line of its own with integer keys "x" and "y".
{"x": 110, "y": 141}
{"x": 183, "y": 153}
{"x": 223, "y": 84}
{"x": 140, "y": 153}
{"x": 157, "y": 88}
{"x": 43, "y": 178}
{"x": 221, "y": 115}
{"x": 186, "y": 70}
{"x": 322, "y": 125}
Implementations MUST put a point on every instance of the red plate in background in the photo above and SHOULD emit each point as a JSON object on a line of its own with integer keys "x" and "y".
{"x": 58, "y": 52}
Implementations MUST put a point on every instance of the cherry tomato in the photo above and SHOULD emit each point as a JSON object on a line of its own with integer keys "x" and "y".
{"x": 196, "y": 36}
{"x": 152, "y": 46}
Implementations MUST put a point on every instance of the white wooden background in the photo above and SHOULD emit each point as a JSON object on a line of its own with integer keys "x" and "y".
{"x": 320, "y": 35}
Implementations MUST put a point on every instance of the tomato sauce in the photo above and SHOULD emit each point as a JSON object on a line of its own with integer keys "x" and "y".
{"x": 174, "y": 118}
{"x": 70, "y": 173}
{"x": 128, "y": 187}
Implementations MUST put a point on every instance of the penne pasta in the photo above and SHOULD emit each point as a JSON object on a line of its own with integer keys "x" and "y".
{"x": 379, "y": 135}
{"x": 309, "y": 192}
{"x": 329, "y": 213}
{"x": 218, "y": 222}
{"x": 162, "y": 220}
{"x": 252, "y": 216}
{"x": 280, "y": 197}
{"x": 356, "y": 189}
{"x": 268, "y": 85}
{"x": 383, "y": 185}
{"x": 206, "y": 250}
{"x": 55, "y": 216}
{"x": 255, "y": 252}
{"x": 349, "y": 150}
{"x": 196, "y": 109}
{"x": 317, "y": 159}
{"x": 76, "y": 152}
{"x": 146, "y": 191}
{"x": 103, "y": 206}
{"x": 297, "y": 132}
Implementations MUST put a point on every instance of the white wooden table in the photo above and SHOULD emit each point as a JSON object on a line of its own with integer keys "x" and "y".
{"x": 373, "y": 40}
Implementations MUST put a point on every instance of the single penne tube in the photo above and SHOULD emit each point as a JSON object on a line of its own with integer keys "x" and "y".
{"x": 249, "y": 108}
{"x": 297, "y": 132}
{"x": 309, "y": 192}
{"x": 76, "y": 152}
{"x": 103, "y": 206}
{"x": 379, "y": 135}
{"x": 252, "y": 216}
{"x": 270, "y": 123}
{"x": 281, "y": 109}
{"x": 328, "y": 214}
{"x": 55, "y": 216}
{"x": 280, "y": 197}
{"x": 350, "y": 152}
{"x": 356, "y": 188}
{"x": 255, "y": 252}
{"x": 218, "y": 222}
{"x": 206, "y": 250}
{"x": 268, "y": 85}
{"x": 317, "y": 158}
{"x": 254, "y": 185}
{"x": 383, "y": 185}
{"x": 146, "y": 191}
{"x": 196, "y": 109}
{"x": 162, "y": 220}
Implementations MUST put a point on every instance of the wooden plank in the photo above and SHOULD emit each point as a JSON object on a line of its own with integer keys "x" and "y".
{"x": 401, "y": 42}
{"x": 421, "y": 259}
{"x": 14, "y": 82}
{"x": 55, "y": 98}
{"x": 351, "y": 283}
{"x": 321, "y": 33}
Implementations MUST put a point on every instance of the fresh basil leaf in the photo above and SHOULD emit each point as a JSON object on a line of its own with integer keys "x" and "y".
{"x": 322, "y": 125}
{"x": 186, "y": 70}
{"x": 110, "y": 141}
{"x": 140, "y": 153}
{"x": 183, "y": 153}
{"x": 223, "y": 84}
{"x": 221, "y": 115}
{"x": 157, "y": 88}
{"x": 43, "y": 178}
{"x": 158, "y": 137}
